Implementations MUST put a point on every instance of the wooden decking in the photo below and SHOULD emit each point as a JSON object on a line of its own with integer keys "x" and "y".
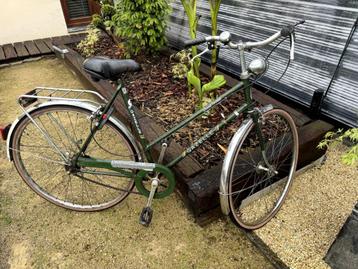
{"x": 34, "y": 48}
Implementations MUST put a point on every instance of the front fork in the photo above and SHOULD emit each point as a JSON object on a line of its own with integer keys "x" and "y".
{"x": 258, "y": 120}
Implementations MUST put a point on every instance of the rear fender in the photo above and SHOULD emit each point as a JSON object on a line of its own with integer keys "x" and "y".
{"x": 84, "y": 105}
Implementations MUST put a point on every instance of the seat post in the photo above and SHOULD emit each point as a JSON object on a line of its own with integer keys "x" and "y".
{"x": 114, "y": 96}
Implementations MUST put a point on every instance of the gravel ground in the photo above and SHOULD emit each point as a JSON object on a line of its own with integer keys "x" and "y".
{"x": 37, "y": 234}
{"x": 319, "y": 203}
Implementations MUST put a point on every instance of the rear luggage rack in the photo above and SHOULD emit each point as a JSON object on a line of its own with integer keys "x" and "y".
{"x": 45, "y": 94}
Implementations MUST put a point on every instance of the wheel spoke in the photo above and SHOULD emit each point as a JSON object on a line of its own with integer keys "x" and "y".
{"x": 255, "y": 194}
{"x": 54, "y": 178}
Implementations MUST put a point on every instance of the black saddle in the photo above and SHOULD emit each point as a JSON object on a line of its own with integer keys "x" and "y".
{"x": 105, "y": 68}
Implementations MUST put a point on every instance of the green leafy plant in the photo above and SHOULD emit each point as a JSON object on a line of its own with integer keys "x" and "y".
{"x": 142, "y": 23}
{"x": 214, "y": 11}
{"x": 193, "y": 76}
{"x": 107, "y": 11}
{"x": 350, "y": 157}
{"x": 190, "y": 10}
{"x": 104, "y": 19}
{"x": 202, "y": 90}
{"x": 180, "y": 62}
{"x": 97, "y": 21}
{"x": 87, "y": 45}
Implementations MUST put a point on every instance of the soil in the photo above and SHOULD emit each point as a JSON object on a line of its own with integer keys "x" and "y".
{"x": 167, "y": 100}
{"x": 37, "y": 234}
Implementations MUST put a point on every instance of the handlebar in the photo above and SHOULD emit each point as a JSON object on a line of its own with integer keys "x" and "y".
{"x": 225, "y": 38}
{"x": 193, "y": 42}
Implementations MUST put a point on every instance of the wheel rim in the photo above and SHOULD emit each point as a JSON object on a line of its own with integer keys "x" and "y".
{"x": 49, "y": 173}
{"x": 258, "y": 187}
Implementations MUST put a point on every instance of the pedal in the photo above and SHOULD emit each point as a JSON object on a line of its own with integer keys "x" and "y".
{"x": 146, "y": 216}
{"x": 147, "y": 212}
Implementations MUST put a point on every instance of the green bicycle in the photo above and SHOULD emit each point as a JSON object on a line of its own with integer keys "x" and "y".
{"x": 76, "y": 154}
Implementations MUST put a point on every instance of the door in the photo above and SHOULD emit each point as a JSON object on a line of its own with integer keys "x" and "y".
{"x": 79, "y": 12}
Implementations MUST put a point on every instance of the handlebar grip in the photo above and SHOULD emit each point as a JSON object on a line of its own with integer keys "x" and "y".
{"x": 193, "y": 42}
{"x": 287, "y": 30}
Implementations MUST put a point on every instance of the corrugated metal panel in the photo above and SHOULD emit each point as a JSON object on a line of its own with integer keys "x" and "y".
{"x": 342, "y": 96}
{"x": 320, "y": 42}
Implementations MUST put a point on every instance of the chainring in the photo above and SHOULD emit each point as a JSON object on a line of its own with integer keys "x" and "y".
{"x": 166, "y": 182}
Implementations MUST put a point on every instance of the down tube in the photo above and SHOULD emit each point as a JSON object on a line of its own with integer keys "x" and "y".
{"x": 209, "y": 134}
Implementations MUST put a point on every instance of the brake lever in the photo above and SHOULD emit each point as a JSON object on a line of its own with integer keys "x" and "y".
{"x": 292, "y": 49}
{"x": 293, "y": 39}
{"x": 300, "y": 22}
{"x": 198, "y": 55}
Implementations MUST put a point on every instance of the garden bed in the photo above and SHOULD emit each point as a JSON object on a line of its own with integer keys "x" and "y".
{"x": 166, "y": 99}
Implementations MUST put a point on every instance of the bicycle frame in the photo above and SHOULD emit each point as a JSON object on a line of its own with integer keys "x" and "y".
{"x": 147, "y": 146}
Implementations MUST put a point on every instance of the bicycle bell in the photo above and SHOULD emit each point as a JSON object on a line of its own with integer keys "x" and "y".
{"x": 225, "y": 37}
{"x": 257, "y": 66}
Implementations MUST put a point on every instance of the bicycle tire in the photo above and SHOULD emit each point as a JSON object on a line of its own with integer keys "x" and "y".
{"x": 68, "y": 126}
{"x": 248, "y": 195}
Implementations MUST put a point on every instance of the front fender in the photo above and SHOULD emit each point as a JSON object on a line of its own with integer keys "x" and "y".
{"x": 84, "y": 105}
{"x": 235, "y": 142}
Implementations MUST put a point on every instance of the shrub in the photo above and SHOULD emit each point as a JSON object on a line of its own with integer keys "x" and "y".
{"x": 104, "y": 20}
{"x": 350, "y": 157}
{"x": 107, "y": 11}
{"x": 142, "y": 23}
{"x": 97, "y": 21}
{"x": 87, "y": 45}
{"x": 180, "y": 62}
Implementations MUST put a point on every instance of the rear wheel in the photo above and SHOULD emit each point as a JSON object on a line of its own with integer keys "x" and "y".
{"x": 259, "y": 180}
{"x": 43, "y": 158}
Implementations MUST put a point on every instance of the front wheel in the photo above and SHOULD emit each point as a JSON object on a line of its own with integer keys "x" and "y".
{"x": 44, "y": 147}
{"x": 262, "y": 168}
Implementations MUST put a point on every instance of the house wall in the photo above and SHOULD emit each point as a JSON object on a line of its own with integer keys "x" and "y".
{"x": 22, "y": 20}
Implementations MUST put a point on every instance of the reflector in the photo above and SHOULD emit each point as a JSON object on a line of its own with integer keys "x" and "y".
{"x": 4, "y": 131}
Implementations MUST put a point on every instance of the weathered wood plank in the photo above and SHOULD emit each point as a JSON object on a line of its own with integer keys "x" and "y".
{"x": 68, "y": 39}
{"x": 78, "y": 37}
{"x": 9, "y": 51}
{"x": 20, "y": 49}
{"x": 57, "y": 40}
{"x": 48, "y": 43}
{"x": 2, "y": 54}
{"x": 32, "y": 49}
{"x": 40, "y": 44}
